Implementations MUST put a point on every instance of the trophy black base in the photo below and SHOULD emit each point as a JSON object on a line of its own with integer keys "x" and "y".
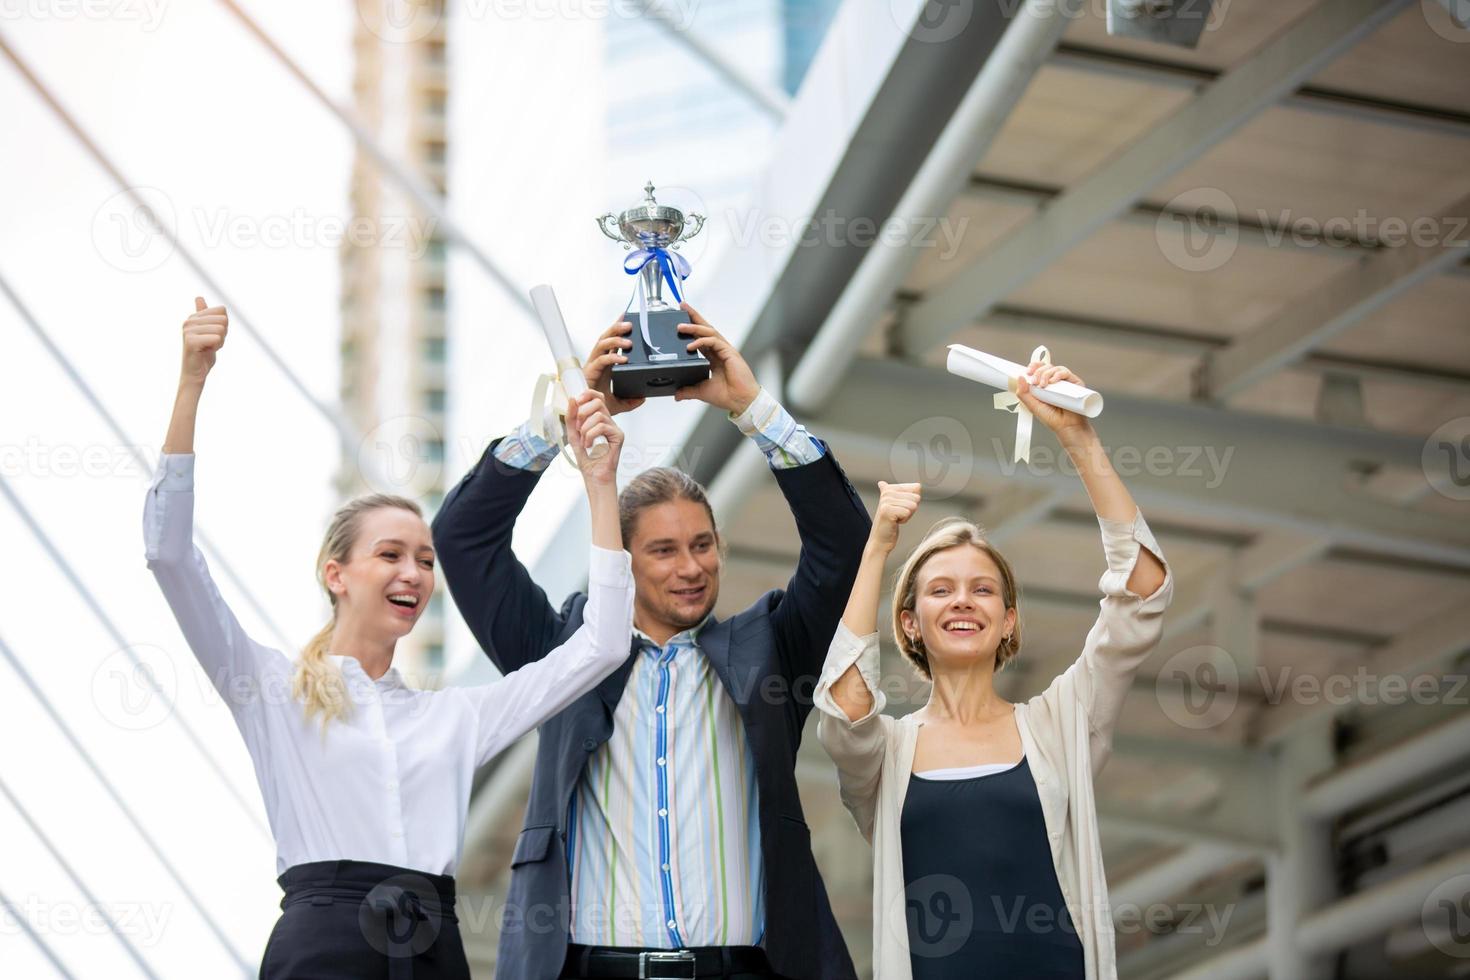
{"x": 651, "y": 375}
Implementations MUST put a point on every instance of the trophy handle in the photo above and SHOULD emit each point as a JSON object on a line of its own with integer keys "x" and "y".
{"x": 696, "y": 222}
{"x": 602, "y": 224}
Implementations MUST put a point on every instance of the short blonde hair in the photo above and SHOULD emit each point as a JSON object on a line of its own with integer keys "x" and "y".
{"x": 950, "y": 533}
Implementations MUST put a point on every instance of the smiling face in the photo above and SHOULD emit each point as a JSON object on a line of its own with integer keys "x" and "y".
{"x": 384, "y": 585}
{"x": 676, "y": 567}
{"x": 959, "y": 612}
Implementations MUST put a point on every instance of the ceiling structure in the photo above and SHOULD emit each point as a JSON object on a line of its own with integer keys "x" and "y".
{"x": 1209, "y": 237}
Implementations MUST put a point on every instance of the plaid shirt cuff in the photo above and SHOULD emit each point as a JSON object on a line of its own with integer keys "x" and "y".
{"x": 786, "y": 444}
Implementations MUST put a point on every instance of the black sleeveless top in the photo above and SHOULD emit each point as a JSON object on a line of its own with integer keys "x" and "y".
{"x": 981, "y": 892}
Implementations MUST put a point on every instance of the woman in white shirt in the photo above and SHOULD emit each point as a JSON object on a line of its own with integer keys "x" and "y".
{"x": 367, "y": 781}
{"x": 981, "y": 812}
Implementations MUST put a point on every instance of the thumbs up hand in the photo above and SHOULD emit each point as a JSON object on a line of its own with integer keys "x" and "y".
{"x": 204, "y": 335}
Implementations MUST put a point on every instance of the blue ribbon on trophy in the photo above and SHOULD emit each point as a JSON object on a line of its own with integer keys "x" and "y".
{"x": 674, "y": 268}
{"x": 659, "y": 362}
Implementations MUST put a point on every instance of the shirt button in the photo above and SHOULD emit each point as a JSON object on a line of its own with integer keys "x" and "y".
{"x": 660, "y": 761}
{"x": 663, "y": 813}
{"x": 671, "y": 923}
{"x": 664, "y": 866}
{"x": 659, "y": 709}
{"x": 590, "y": 744}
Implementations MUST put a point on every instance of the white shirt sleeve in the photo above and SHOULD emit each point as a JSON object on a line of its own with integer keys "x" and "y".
{"x": 524, "y": 698}
{"x": 233, "y": 661}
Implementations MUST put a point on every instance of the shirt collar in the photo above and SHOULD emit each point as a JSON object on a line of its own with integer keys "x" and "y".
{"x": 684, "y": 638}
{"x": 391, "y": 679}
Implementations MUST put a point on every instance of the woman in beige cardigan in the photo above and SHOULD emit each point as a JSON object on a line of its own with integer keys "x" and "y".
{"x": 981, "y": 812}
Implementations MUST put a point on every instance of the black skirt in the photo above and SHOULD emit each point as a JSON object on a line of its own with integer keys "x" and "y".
{"x": 356, "y": 920}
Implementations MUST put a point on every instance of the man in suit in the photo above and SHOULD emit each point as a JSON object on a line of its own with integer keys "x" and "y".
{"x": 664, "y": 836}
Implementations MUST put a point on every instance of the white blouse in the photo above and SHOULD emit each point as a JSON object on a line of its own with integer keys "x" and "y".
{"x": 391, "y": 782}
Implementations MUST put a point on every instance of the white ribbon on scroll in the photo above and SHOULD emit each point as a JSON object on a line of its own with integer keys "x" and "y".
{"x": 997, "y": 372}
{"x": 567, "y": 383}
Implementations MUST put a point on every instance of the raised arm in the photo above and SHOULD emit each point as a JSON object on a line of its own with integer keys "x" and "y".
{"x": 529, "y": 695}
{"x": 508, "y": 613}
{"x": 1110, "y": 498}
{"x": 854, "y": 693}
{"x": 848, "y": 699}
{"x": 215, "y": 636}
{"x": 1136, "y": 587}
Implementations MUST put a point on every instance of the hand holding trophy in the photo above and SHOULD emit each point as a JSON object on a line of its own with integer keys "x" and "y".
{"x": 658, "y": 361}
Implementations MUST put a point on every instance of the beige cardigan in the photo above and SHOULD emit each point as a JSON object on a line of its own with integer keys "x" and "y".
{"x": 1066, "y": 732}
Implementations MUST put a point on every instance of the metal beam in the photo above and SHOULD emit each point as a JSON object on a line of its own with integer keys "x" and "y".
{"x": 1337, "y": 304}
{"x": 1174, "y": 874}
{"x": 1191, "y": 458}
{"x": 1031, "y": 322}
{"x": 1421, "y": 650}
{"x": 1184, "y": 828}
{"x": 1308, "y": 98}
{"x": 998, "y": 86}
{"x": 1278, "y": 69}
{"x": 1443, "y": 748}
{"x": 1264, "y": 233}
{"x": 1366, "y": 915}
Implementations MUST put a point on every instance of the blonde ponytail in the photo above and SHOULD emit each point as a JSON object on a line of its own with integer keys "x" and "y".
{"x": 318, "y": 683}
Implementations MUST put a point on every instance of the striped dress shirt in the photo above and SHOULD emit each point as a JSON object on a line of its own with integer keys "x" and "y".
{"x": 663, "y": 842}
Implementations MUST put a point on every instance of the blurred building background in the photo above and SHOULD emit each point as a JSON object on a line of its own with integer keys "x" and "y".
{"x": 395, "y": 293}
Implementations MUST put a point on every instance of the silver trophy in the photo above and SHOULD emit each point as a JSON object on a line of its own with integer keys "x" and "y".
{"x": 659, "y": 361}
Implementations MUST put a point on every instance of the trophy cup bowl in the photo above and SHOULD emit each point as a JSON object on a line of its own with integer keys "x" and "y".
{"x": 658, "y": 362}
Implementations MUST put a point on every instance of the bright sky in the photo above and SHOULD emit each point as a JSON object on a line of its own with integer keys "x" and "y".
{"x": 253, "y": 175}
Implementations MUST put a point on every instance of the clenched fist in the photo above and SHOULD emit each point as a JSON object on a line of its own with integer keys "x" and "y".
{"x": 204, "y": 335}
{"x": 897, "y": 502}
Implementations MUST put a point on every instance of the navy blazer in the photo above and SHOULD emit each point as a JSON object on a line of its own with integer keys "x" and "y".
{"x": 768, "y": 657}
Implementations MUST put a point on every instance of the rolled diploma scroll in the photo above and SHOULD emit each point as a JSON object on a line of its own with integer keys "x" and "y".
{"x": 997, "y": 372}
{"x": 569, "y": 369}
